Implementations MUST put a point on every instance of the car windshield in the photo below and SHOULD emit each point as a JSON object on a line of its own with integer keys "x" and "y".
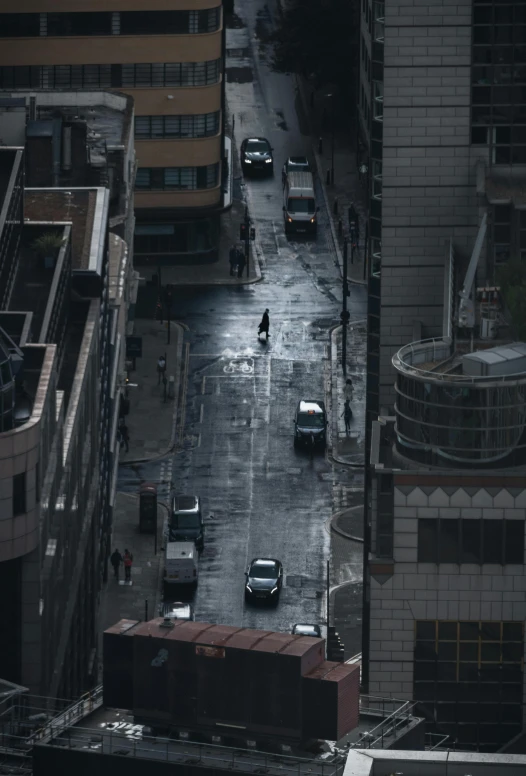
{"x": 185, "y": 521}
{"x": 258, "y": 146}
{"x": 297, "y": 161}
{"x": 310, "y": 421}
{"x": 300, "y": 205}
{"x": 263, "y": 572}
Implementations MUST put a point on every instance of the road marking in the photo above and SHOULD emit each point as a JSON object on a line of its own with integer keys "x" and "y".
{"x": 201, "y": 413}
{"x": 203, "y": 382}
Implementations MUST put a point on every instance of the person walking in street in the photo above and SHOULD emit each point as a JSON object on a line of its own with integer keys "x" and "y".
{"x": 240, "y": 262}
{"x": 264, "y": 325}
{"x": 128, "y": 560}
{"x": 116, "y": 560}
{"x": 233, "y": 259}
{"x": 125, "y": 436}
{"x": 347, "y": 415}
{"x": 161, "y": 369}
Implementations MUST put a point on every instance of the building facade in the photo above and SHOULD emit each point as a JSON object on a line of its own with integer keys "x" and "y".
{"x": 166, "y": 54}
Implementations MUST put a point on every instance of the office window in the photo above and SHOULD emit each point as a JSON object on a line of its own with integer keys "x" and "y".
{"x": 169, "y": 178}
{"x": 468, "y": 679}
{"x": 171, "y": 74}
{"x": 19, "y": 25}
{"x": 79, "y": 23}
{"x": 170, "y": 22}
{"x": 19, "y": 494}
{"x": 200, "y": 125}
{"x": 470, "y": 541}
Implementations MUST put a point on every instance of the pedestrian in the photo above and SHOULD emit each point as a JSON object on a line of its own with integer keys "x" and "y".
{"x": 240, "y": 262}
{"x": 128, "y": 560}
{"x": 161, "y": 368}
{"x": 348, "y": 391}
{"x": 125, "y": 436}
{"x": 347, "y": 415}
{"x": 233, "y": 259}
{"x": 264, "y": 325}
{"x": 116, "y": 560}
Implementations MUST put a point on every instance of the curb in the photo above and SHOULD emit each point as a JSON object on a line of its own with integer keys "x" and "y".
{"x": 340, "y": 531}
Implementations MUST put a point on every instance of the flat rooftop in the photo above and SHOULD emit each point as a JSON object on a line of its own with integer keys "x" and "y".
{"x": 66, "y": 205}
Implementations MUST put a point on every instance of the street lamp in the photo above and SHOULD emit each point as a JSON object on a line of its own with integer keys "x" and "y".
{"x": 331, "y": 96}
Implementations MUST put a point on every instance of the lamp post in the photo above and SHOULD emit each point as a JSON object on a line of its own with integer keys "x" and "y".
{"x": 331, "y": 96}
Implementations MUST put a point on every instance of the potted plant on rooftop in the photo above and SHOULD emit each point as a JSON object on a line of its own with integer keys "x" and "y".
{"x": 47, "y": 246}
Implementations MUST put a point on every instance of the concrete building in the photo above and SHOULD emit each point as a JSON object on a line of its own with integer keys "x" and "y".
{"x": 168, "y": 55}
{"x": 60, "y": 327}
{"x": 372, "y": 762}
{"x": 442, "y": 114}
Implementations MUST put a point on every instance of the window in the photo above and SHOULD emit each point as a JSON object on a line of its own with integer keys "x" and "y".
{"x": 19, "y": 494}
{"x": 170, "y": 22}
{"x": 468, "y": 679}
{"x": 78, "y": 23}
{"x": 470, "y": 541}
{"x": 173, "y": 74}
{"x": 167, "y": 178}
{"x": 19, "y": 25}
{"x": 200, "y": 125}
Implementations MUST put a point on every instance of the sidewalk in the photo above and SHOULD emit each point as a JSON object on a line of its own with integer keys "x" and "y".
{"x": 139, "y": 600}
{"x": 349, "y": 449}
{"x": 155, "y": 425}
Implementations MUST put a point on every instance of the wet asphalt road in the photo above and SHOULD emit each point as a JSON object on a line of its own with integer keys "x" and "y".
{"x": 260, "y": 496}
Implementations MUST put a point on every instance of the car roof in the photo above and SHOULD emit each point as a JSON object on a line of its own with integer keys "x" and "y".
{"x": 256, "y": 139}
{"x": 303, "y": 626}
{"x": 297, "y": 160}
{"x": 186, "y": 503}
{"x": 265, "y": 562}
{"x": 310, "y": 405}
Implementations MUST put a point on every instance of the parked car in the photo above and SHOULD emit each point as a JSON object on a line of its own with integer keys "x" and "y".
{"x": 176, "y": 610}
{"x": 264, "y": 578}
{"x": 256, "y": 155}
{"x": 186, "y": 521}
{"x": 295, "y": 164}
{"x": 299, "y": 203}
{"x": 180, "y": 564}
{"x": 303, "y": 629}
{"x": 310, "y": 423}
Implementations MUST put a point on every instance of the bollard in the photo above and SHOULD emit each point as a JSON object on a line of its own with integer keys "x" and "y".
{"x": 320, "y": 145}
{"x": 340, "y": 227}
{"x": 328, "y": 179}
{"x": 335, "y": 207}
{"x": 171, "y": 387}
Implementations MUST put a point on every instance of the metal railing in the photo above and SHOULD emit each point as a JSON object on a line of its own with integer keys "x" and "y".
{"x": 390, "y": 726}
{"x": 439, "y": 350}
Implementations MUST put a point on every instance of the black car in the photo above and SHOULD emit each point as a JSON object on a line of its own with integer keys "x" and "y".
{"x": 186, "y": 521}
{"x": 176, "y": 610}
{"x": 295, "y": 164}
{"x": 310, "y": 424}
{"x": 264, "y": 578}
{"x": 302, "y": 629}
{"x": 256, "y": 155}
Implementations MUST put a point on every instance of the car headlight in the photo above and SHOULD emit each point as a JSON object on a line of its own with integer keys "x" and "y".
{"x": 289, "y": 219}
{"x": 274, "y": 590}
{"x": 248, "y": 161}
{"x": 313, "y": 220}
{"x": 248, "y": 588}
{"x": 268, "y": 161}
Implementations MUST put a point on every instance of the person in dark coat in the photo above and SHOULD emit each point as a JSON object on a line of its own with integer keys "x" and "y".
{"x": 233, "y": 259}
{"x": 347, "y": 416}
{"x": 116, "y": 560}
{"x": 264, "y": 325}
{"x": 240, "y": 262}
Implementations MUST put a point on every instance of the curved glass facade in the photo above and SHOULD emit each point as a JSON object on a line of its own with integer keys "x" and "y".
{"x": 451, "y": 420}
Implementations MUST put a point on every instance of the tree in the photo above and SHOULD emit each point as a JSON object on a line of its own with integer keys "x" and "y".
{"x": 316, "y": 39}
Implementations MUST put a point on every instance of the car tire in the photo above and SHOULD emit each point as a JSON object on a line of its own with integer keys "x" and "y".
{"x": 247, "y": 598}
{"x": 296, "y": 443}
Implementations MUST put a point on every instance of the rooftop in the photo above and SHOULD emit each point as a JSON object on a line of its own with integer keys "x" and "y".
{"x": 376, "y": 763}
{"x": 60, "y": 205}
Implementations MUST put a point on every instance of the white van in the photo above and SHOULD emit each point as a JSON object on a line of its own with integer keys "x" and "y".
{"x": 180, "y": 564}
{"x": 299, "y": 203}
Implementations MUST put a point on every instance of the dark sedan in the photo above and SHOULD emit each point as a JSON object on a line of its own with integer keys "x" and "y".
{"x": 256, "y": 155}
{"x": 310, "y": 424}
{"x": 264, "y": 578}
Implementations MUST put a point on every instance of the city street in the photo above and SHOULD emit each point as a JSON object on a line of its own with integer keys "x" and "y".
{"x": 260, "y": 496}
